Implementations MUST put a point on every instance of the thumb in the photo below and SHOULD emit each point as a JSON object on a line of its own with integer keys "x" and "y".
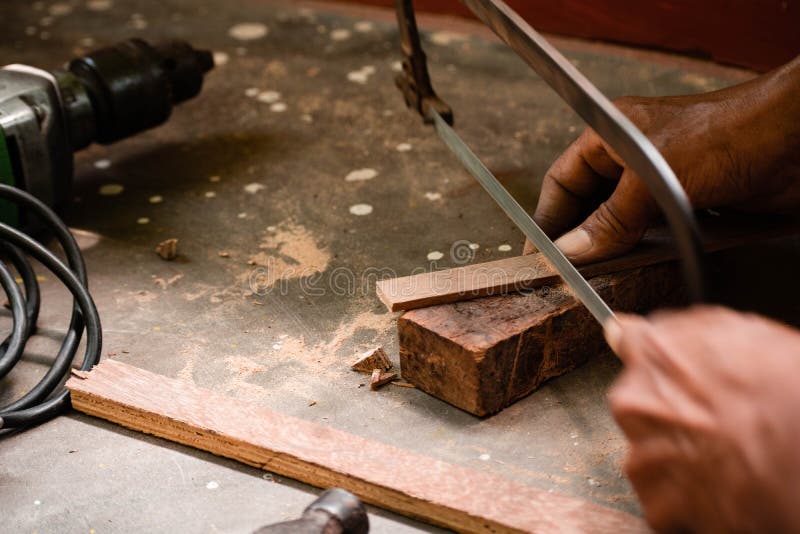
{"x": 627, "y": 335}
{"x": 614, "y": 227}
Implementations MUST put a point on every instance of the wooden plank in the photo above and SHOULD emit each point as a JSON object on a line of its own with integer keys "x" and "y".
{"x": 411, "y": 484}
{"x": 527, "y": 272}
{"x": 482, "y": 355}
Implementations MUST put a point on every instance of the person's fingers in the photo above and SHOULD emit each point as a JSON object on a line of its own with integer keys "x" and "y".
{"x": 571, "y": 183}
{"x": 574, "y": 178}
{"x": 614, "y": 227}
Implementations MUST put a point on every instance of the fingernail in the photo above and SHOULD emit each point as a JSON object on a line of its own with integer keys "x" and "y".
{"x": 612, "y": 332}
{"x": 574, "y": 243}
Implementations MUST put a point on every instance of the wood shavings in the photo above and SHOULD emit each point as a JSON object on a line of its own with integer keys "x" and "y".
{"x": 167, "y": 249}
{"x": 372, "y": 359}
{"x": 380, "y": 378}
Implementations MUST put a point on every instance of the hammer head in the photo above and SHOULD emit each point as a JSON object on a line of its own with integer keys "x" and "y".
{"x": 336, "y": 511}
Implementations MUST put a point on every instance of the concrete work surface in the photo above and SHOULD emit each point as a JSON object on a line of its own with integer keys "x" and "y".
{"x": 293, "y": 181}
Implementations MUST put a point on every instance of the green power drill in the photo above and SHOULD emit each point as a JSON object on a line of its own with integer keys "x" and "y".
{"x": 104, "y": 96}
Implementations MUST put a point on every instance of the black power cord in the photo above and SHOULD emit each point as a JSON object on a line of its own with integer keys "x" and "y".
{"x": 47, "y": 398}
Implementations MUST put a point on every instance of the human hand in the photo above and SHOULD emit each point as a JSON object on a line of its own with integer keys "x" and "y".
{"x": 709, "y": 400}
{"x": 737, "y": 147}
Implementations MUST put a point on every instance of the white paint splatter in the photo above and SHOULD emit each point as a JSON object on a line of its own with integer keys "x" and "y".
{"x": 254, "y": 188}
{"x": 360, "y": 209}
{"x": 504, "y": 248}
{"x": 430, "y": 195}
{"x": 251, "y": 92}
{"x": 363, "y": 26}
{"x": 358, "y": 76}
{"x": 271, "y": 228}
{"x": 102, "y": 164}
{"x": 276, "y": 346}
{"x": 37, "y": 502}
{"x": 360, "y": 175}
{"x": 340, "y": 34}
{"x": 474, "y": 246}
{"x": 210, "y": 194}
{"x": 214, "y": 178}
{"x": 269, "y": 97}
{"x": 138, "y": 22}
{"x": 278, "y": 107}
{"x": 220, "y": 58}
{"x": 248, "y": 31}
{"x": 403, "y": 147}
{"x": 242, "y": 215}
{"x": 99, "y": 5}
{"x": 143, "y": 220}
{"x": 444, "y": 38}
{"x": 111, "y": 190}
{"x": 212, "y": 485}
{"x": 156, "y": 199}
{"x": 59, "y": 9}
{"x": 361, "y": 75}
{"x": 435, "y": 255}
{"x": 484, "y": 457}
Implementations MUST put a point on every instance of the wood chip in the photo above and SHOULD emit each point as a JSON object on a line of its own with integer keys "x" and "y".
{"x": 403, "y": 384}
{"x": 372, "y": 359}
{"x": 223, "y": 254}
{"x": 168, "y": 250}
{"x": 380, "y": 379}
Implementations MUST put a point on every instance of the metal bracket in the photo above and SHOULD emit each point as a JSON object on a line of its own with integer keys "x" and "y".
{"x": 414, "y": 81}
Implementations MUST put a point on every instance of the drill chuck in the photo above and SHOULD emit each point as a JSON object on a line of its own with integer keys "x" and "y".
{"x": 107, "y": 95}
{"x": 132, "y": 87}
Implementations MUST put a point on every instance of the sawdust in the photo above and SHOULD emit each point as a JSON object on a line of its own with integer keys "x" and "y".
{"x": 290, "y": 252}
{"x": 314, "y": 363}
{"x": 191, "y": 354}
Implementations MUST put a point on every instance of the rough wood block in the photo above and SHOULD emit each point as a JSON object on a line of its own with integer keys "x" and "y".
{"x": 481, "y": 355}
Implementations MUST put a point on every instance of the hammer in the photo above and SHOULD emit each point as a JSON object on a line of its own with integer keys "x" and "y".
{"x": 336, "y": 511}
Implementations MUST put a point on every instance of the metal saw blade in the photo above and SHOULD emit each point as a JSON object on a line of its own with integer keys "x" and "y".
{"x": 581, "y": 288}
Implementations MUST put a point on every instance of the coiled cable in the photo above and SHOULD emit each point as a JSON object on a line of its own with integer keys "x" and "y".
{"x": 48, "y": 397}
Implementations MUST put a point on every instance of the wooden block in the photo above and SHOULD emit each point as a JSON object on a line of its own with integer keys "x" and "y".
{"x": 372, "y": 359}
{"x": 411, "y": 484}
{"x": 534, "y": 270}
{"x": 482, "y": 355}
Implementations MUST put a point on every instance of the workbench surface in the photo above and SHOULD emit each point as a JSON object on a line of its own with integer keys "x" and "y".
{"x": 262, "y": 184}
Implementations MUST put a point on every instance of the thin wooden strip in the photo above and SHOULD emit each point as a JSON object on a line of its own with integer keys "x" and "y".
{"x": 411, "y": 484}
{"x": 532, "y": 271}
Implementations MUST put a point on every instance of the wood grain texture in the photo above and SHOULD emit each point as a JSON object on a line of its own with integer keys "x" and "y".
{"x": 405, "y": 482}
{"x": 527, "y": 272}
{"x": 482, "y": 355}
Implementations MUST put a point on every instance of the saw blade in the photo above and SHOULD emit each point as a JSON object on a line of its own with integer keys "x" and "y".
{"x": 581, "y": 288}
